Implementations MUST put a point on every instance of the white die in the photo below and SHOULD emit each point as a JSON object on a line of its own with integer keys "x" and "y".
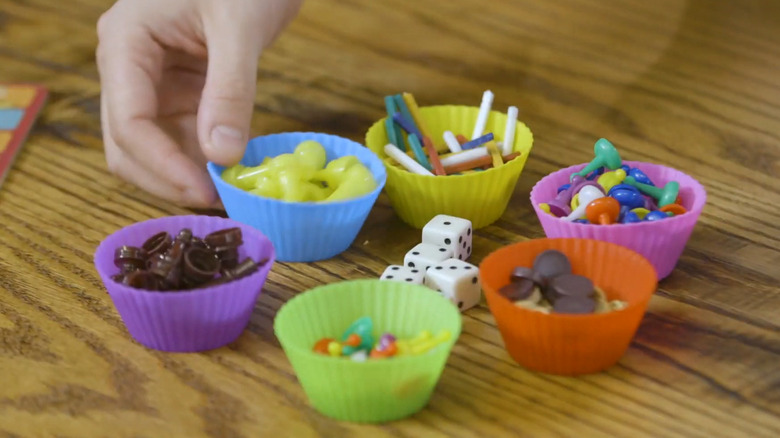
{"x": 403, "y": 274}
{"x": 451, "y": 232}
{"x": 456, "y": 280}
{"x": 425, "y": 255}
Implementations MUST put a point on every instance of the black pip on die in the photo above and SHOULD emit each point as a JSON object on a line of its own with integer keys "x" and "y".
{"x": 457, "y": 280}
{"x": 403, "y": 274}
{"x": 425, "y": 255}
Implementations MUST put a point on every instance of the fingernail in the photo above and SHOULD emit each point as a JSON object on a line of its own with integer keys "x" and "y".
{"x": 225, "y": 138}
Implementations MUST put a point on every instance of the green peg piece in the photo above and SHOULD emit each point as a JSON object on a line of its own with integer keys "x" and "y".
{"x": 663, "y": 196}
{"x": 606, "y": 156}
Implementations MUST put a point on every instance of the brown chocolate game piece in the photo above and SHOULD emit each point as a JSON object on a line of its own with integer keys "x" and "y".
{"x": 574, "y": 305}
{"x": 551, "y": 263}
{"x": 129, "y": 259}
{"x": 522, "y": 272}
{"x": 518, "y": 290}
{"x": 572, "y": 285}
{"x": 157, "y": 244}
{"x": 163, "y": 263}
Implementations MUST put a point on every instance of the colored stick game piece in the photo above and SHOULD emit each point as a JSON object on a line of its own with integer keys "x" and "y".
{"x": 606, "y": 156}
{"x": 468, "y": 166}
{"x": 484, "y": 112}
{"x": 462, "y": 139}
{"x": 417, "y": 147}
{"x": 411, "y": 104}
{"x": 452, "y": 142}
{"x": 462, "y": 157}
{"x": 478, "y": 141}
{"x": 404, "y": 110}
{"x": 495, "y": 154}
{"x": 393, "y": 131}
{"x": 433, "y": 157}
{"x": 406, "y": 124}
{"x": 406, "y": 161}
{"x": 509, "y": 130}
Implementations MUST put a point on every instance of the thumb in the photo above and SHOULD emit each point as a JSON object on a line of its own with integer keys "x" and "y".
{"x": 227, "y": 100}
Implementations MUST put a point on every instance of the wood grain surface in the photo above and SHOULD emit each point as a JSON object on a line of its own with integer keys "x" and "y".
{"x": 691, "y": 84}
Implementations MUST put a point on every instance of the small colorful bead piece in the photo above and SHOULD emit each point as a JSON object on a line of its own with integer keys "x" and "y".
{"x": 640, "y": 212}
{"x": 587, "y": 194}
{"x": 606, "y": 156}
{"x": 322, "y": 346}
{"x": 674, "y": 209}
{"x": 603, "y": 211}
{"x": 611, "y": 179}
{"x": 545, "y": 207}
{"x": 665, "y": 196}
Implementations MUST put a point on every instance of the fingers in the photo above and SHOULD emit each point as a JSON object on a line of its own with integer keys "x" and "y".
{"x": 130, "y": 170}
{"x": 227, "y": 101}
{"x": 130, "y": 64}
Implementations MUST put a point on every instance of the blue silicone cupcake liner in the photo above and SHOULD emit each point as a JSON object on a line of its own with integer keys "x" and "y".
{"x": 301, "y": 231}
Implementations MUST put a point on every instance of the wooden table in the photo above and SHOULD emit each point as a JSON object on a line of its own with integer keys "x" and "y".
{"x": 691, "y": 84}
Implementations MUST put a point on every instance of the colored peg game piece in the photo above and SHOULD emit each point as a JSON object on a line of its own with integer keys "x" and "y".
{"x": 587, "y": 194}
{"x": 509, "y": 130}
{"x": 560, "y": 205}
{"x": 630, "y": 218}
{"x": 405, "y": 160}
{"x": 627, "y": 195}
{"x": 656, "y": 215}
{"x": 664, "y": 196}
{"x": 484, "y": 112}
{"x": 603, "y": 211}
{"x": 611, "y": 179}
{"x": 640, "y": 176}
{"x": 606, "y": 156}
{"x": 673, "y": 209}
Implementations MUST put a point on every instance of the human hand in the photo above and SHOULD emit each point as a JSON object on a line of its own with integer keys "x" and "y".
{"x": 178, "y": 81}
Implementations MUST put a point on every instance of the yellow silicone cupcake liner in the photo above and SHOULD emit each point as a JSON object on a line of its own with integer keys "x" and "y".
{"x": 481, "y": 197}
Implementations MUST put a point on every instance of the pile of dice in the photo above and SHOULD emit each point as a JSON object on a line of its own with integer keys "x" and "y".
{"x": 439, "y": 262}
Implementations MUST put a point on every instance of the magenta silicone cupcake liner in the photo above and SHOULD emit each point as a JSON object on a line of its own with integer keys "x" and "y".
{"x": 186, "y": 321}
{"x": 661, "y": 242}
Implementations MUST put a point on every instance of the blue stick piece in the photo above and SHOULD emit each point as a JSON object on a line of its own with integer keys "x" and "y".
{"x": 407, "y": 125}
{"x": 400, "y": 103}
{"x": 477, "y": 141}
{"x": 394, "y": 134}
{"x": 416, "y": 145}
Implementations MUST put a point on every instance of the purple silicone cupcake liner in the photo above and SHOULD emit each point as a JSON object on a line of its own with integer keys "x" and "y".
{"x": 186, "y": 321}
{"x": 661, "y": 242}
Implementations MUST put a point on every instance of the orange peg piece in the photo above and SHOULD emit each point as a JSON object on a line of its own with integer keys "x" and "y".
{"x": 322, "y": 346}
{"x": 675, "y": 209}
{"x": 603, "y": 211}
{"x": 353, "y": 340}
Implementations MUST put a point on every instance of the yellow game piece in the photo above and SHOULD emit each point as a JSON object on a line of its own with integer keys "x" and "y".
{"x": 545, "y": 207}
{"x": 641, "y": 212}
{"x": 495, "y": 153}
{"x": 422, "y": 347}
{"x": 334, "y": 349}
{"x": 575, "y": 201}
{"x": 411, "y": 104}
{"x": 611, "y": 179}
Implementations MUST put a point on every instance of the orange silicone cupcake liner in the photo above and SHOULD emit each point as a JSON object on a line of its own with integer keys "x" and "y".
{"x": 570, "y": 344}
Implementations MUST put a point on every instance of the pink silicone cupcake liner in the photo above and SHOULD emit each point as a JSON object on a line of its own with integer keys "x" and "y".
{"x": 186, "y": 321}
{"x": 661, "y": 242}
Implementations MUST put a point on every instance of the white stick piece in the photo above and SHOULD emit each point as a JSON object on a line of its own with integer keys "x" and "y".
{"x": 452, "y": 142}
{"x": 509, "y": 130}
{"x": 404, "y": 160}
{"x": 484, "y": 112}
{"x": 462, "y": 157}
